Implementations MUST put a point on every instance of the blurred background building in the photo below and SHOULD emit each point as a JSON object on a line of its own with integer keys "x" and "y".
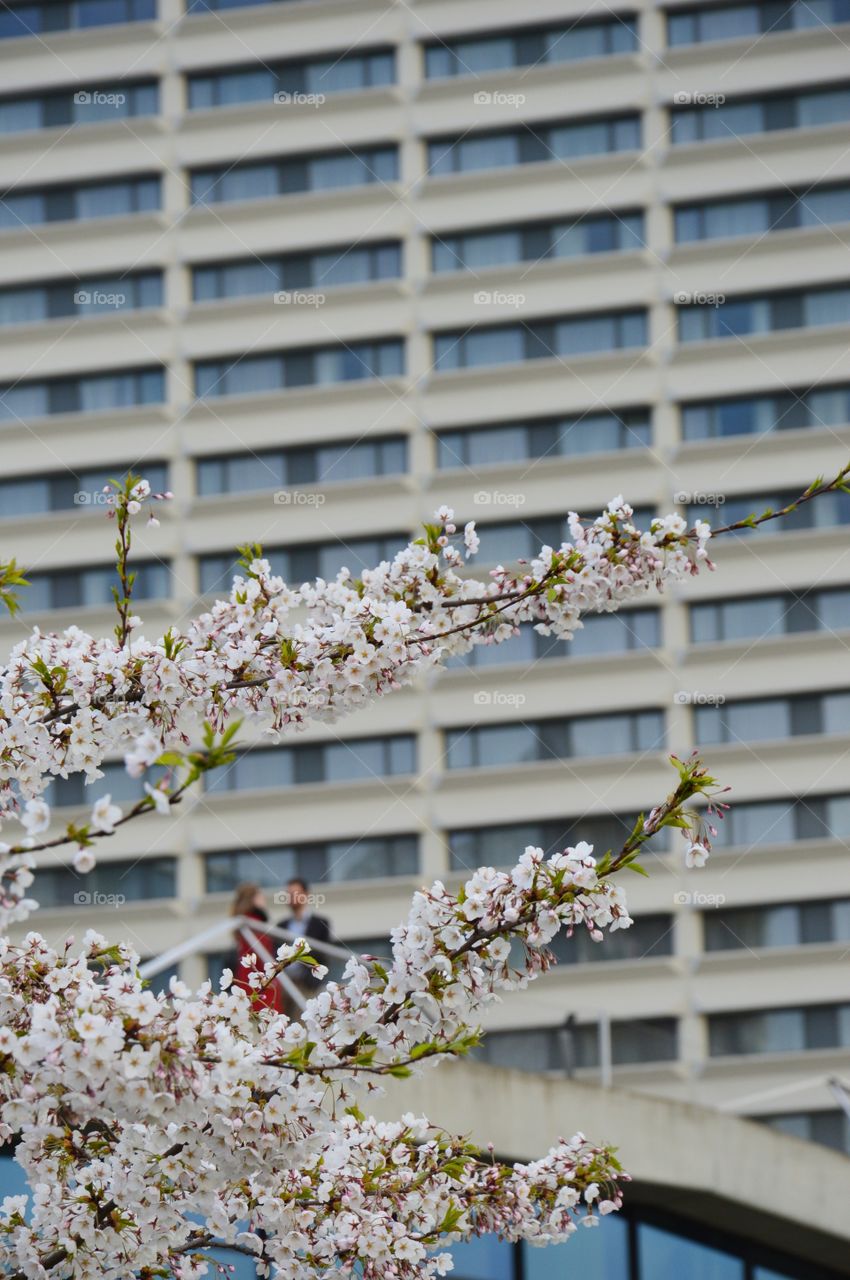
{"x": 319, "y": 266}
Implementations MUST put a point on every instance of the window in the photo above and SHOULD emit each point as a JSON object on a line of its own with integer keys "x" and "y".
{"x": 501, "y": 845}
{"x": 784, "y": 411}
{"x": 760, "y": 719}
{"x": 591, "y": 432}
{"x": 255, "y": 82}
{"x": 65, "y": 15}
{"x": 773, "y": 615}
{"x": 758, "y": 214}
{"x": 320, "y": 269}
{"x": 766, "y": 314}
{"x": 96, "y": 105}
{"x": 205, "y": 6}
{"x": 87, "y": 393}
{"x": 830, "y": 511}
{"x": 629, "y": 630}
{"x": 500, "y": 745}
{"x": 109, "y": 883}
{"x": 532, "y": 242}
{"x": 116, "y": 781}
{"x": 263, "y": 179}
{"x": 531, "y": 46}
{"x": 819, "y": 1026}
{"x": 327, "y": 861}
{"x": 91, "y": 587}
{"x": 661, "y": 1253}
{"x": 334, "y": 463}
{"x": 557, "y": 1048}
{"x": 738, "y": 116}
{"x": 532, "y": 144}
{"x": 305, "y": 560}
{"x": 697, "y": 25}
{"x": 511, "y": 540}
{"x": 648, "y": 937}
{"x": 829, "y": 1128}
{"x": 28, "y": 304}
{"x": 767, "y": 822}
{"x": 790, "y": 924}
{"x": 65, "y": 490}
{"x": 311, "y": 366}
{"x": 538, "y": 340}
{"x": 355, "y": 760}
{"x": 34, "y": 205}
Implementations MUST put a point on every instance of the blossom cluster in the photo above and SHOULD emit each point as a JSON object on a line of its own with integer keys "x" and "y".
{"x": 137, "y": 1115}
{"x": 284, "y": 656}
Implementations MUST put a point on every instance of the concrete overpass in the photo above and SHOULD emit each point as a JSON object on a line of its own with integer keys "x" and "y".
{"x": 727, "y": 1176}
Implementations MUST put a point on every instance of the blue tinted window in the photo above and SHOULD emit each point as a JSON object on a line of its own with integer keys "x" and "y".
{"x": 229, "y": 183}
{"x": 663, "y": 1254}
{"x": 485, "y": 1259}
{"x": 594, "y": 1253}
{"x": 525, "y": 47}
{"x": 547, "y": 143}
{"x": 63, "y": 15}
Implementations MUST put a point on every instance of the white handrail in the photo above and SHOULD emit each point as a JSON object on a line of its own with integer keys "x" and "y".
{"x": 199, "y": 942}
{"x": 283, "y": 978}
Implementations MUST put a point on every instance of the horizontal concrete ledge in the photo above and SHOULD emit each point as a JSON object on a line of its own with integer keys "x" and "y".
{"x": 724, "y": 1173}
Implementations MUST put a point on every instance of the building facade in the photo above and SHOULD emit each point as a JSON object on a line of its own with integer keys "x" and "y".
{"x": 320, "y": 266}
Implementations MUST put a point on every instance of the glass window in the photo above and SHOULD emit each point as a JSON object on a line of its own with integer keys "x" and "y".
{"x": 26, "y": 400}
{"x": 21, "y": 210}
{"x": 486, "y": 1258}
{"x": 662, "y": 1253}
{"x": 824, "y": 107}
{"x": 763, "y": 823}
{"x": 23, "y": 306}
{"x": 835, "y": 713}
{"x": 829, "y": 306}
{"x": 21, "y": 114}
{"x": 831, "y": 205}
{"x": 598, "y": 1254}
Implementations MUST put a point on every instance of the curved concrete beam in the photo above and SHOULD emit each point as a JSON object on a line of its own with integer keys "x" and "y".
{"x": 726, "y": 1173}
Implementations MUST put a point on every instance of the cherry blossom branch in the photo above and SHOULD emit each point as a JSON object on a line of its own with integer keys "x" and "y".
{"x": 815, "y": 490}
{"x": 69, "y": 702}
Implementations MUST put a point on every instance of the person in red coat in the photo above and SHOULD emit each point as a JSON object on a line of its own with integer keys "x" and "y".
{"x": 249, "y": 901}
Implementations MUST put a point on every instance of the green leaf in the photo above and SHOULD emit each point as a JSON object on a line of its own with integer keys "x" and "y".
{"x": 422, "y": 1050}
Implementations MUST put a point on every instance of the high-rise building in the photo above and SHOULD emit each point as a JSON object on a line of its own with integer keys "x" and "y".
{"x": 319, "y": 266}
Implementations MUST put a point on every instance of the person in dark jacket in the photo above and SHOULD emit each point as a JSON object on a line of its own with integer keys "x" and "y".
{"x": 304, "y": 923}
